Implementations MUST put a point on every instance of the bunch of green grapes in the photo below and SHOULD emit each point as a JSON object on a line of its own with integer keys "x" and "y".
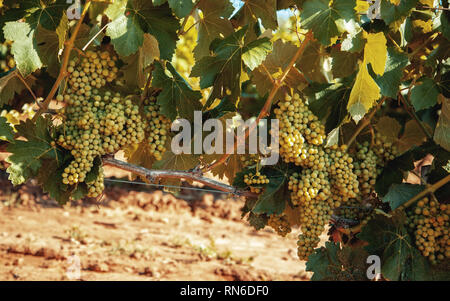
{"x": 254, "y": 181}
{"x": 91, "y": 71}
{"x": 429, "y": 222}
{"x": 309, "y": 185}
{"x": 249, "y": 160}
{"x": 95, "y": 126}
{"x": 384, "y": 150}
{"x": 298, "y": 126}
{"x": 157, "y": 129}
{"x": 366, "y": 168}
{"x": 280, "y": 224}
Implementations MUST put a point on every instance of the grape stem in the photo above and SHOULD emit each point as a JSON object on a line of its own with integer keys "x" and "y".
{"x": 277, "y": 83}
{"x": 69, "y": 45}
{"x": 174, "y": 174}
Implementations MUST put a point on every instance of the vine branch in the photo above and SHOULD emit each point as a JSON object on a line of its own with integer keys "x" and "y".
{"x": 152, "y": 174}
{"x": 277, "y": 83}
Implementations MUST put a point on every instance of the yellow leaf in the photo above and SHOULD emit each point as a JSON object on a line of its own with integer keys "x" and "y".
{"x": 426, "y": 26}
{"x": 362, "y": 6}
{"x": 375, "y": 51}
{"x": 364, "y": 94}
{"x": 395, "y": 2}
{"x": 429, "y": 3}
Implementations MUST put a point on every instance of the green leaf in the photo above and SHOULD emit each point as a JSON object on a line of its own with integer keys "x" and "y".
{"x": 6, "y": 131}
{"x": 10, "y": 85}
{"x": 47, "y": 13}
{"x": 48, "y": 48}
{"x": 398, "y": 194}
{"x": 50, "y": 179}
{"x": 390, "y": 12}
{"x": 277, "y": 60}
{"x": 130, "y": 22}
{"x": 388, "y": 238}
{"x": 388, "y": 177}
{"x": 353, "y": 42}
{"x": 389, "y": 128}
{"x": 255, "y": 52}
{"x": 391, "y": 79}
{"x": 26, "y": 156}
{"x": 311, "y": 63}
{"x": 412, "y": 136}
{"x": 24, "y": 47}
{"x": 135, "y": 72}
{"x": 181, "y": 8}
{"x": 330, "y": 104}
{"x": 223, "y": 69}
{"x": 251, "y": 10}
{"x": 333, "y": 263}
{"x": 321, "y": 18}
{"x": 213, "y": 24}
{"x": 275, "y": 194}
{"x": 177, "y": 97}
{"x": 425, "y": 94}
{"x": 343, "y": 63}
{"x": 442, "y": 131}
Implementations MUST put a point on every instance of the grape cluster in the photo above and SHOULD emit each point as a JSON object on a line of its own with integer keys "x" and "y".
{"x": 92, "y": 71}
{"x": 384, "y": 150}
{"x": 297, "y": 125}
{"x": 255, "y": 181}
{"x": 157, "y": 129}
{"x": 280, "y": 224}
{"x": 430, "y": 224}
{"x": 95, "y": 126}
{"x": 327, "y": 179}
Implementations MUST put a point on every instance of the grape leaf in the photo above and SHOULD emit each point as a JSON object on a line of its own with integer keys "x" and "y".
{"x": 212, "y": 24}
{"x": 47, "y": 13}
{"x": 24, "y": 47}
{"x": 391, "y": 12}
{"x": 223, "y": 69}
{"x": 181, "y": 8}
{"x": 330, "y": 104}
{"x": 48, "y": 49}
{"x": 445, "y": 24}
{"x": 26, "y": 156}
{"x": 389, "y": 128}
{"x": 135, "y": 72}
{"x": 398, "y": 194}
{"x": 425, "y": 94}
{"x": 139, "y": 154}
{"x": 170, "y": 161}
{"x": 343, "y": 63}
{"x": 442, "y": 131}
{"x": 391, "y": 79}
{"x": 375, "y": 52}
{"x": 10, "y": 85}
{"x": 388, "y": 238}
{"x": 311, "y": 63}
{"x": 321, "y": 17}
{"x": 251, "y": 10}
{"x": 257, "y": 221}
{"x": 412, "y": 136}
{"x": 50, "y": 179}
{"x": 130, "y": 22}
{"x": 275, "y": 194}
{"x": 277, "y": 60}
{"x": 364, "y": 94}
{"x": 353, "y": 42}
{"x": 337, "y": 264}
{"x": 6, "y": 131}
{"x": 177, "y": 97}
